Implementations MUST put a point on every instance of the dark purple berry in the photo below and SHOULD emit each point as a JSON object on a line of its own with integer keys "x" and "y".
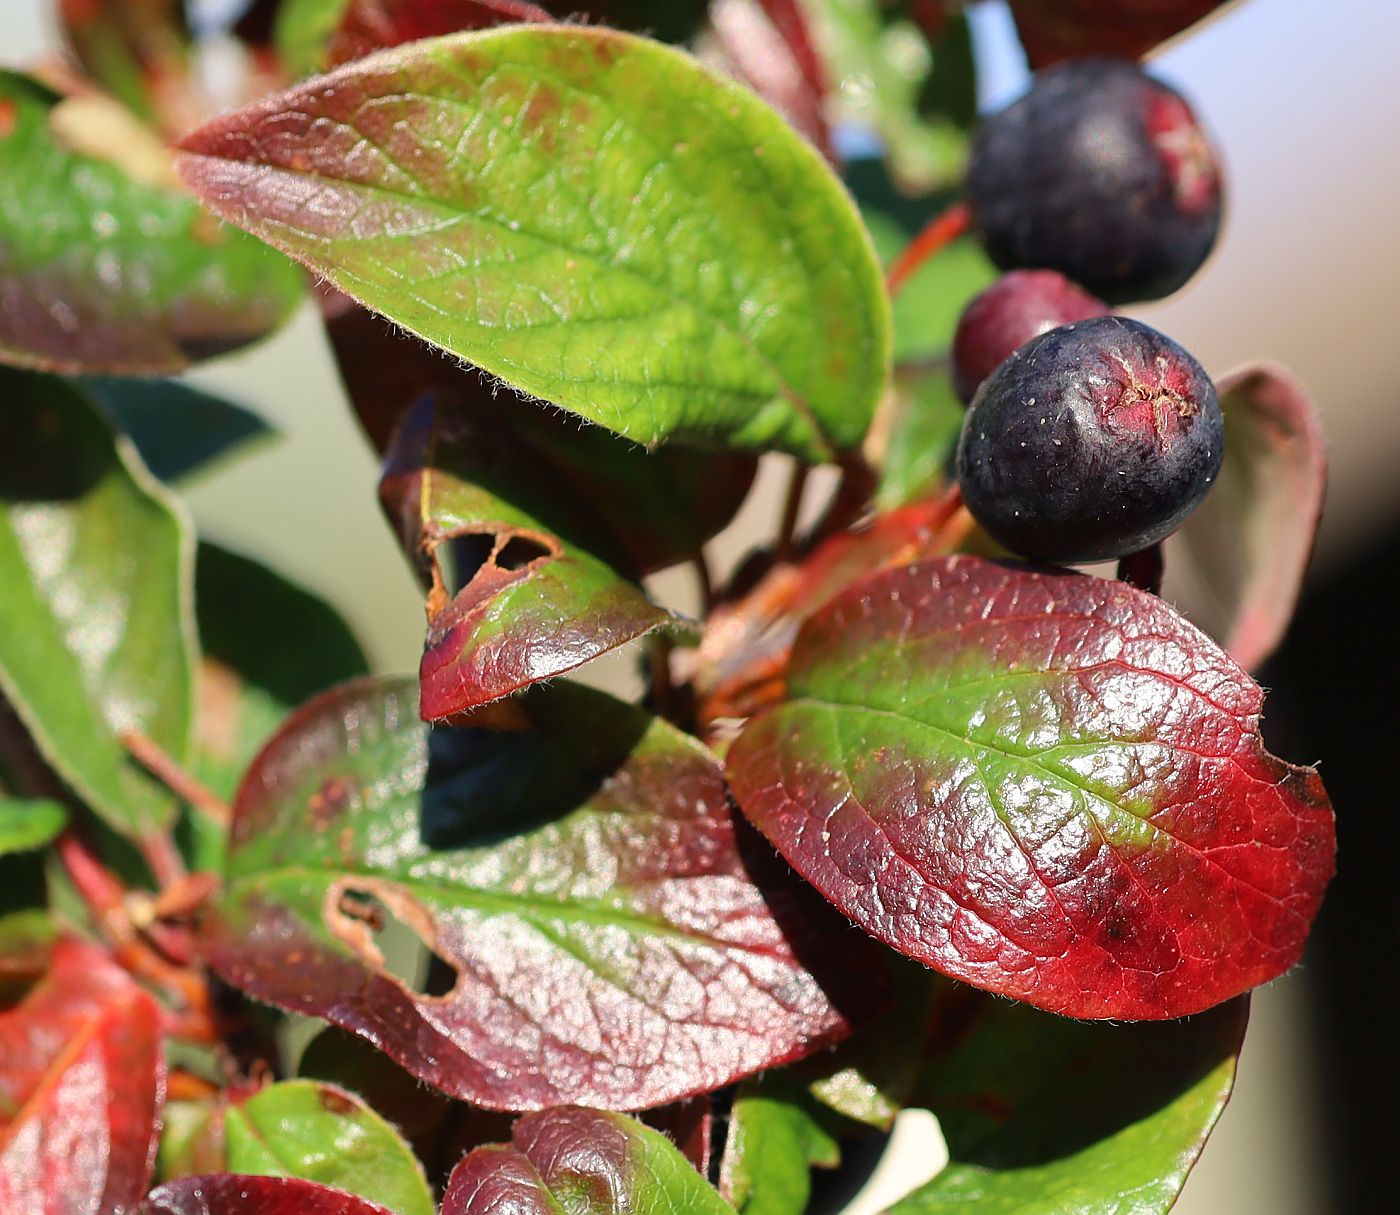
{"x": 1017, "y": 307}
{"x": 1090, "y": 442}
{"x": 1099, "y": 172}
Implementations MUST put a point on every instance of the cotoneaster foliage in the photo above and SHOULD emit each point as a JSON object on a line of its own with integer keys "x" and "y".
{"x": 580, "y": 268}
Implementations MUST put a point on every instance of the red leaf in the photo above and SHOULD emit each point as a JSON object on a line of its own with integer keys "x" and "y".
{"x": 1052, "y": 30}
{"x": 371, "y": 25}
{"x": 82, "y": 1078}
{"x": 1048, "y": 785}
{"x": 1244, "y": 552}
{"x": 231, "y": 1194}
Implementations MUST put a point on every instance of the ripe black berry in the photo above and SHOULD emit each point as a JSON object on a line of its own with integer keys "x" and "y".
{"x": 1100, "y": 172}
{"x": 1090, "y": 442}
{"x": 1017, "y": 307}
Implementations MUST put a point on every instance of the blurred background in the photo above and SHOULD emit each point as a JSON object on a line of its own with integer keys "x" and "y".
{"x": 1304, "y": 99}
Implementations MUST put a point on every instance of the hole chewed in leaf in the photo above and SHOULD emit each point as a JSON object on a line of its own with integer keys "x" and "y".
{"x": 388, "y": 928}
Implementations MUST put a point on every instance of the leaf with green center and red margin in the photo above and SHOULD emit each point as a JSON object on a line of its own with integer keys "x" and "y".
{"x": 300, "y": 1128}
{"x": 535, "y": 602}
{"x": 1043, "y": 1115}
{"x": 544, "y": 201}
{"x": 316, "y": 34}
{"x": 135, "y": 49}
{"x": 234, "y": 1194}
{"x": 81, "y": 1083}
{"x": 1053, "y": 30}
{"x": 1048, "y": 785}
{"x": 583, "y": 1161}
{"x": 1246, "y": 548}
{"x": 642, "y": 511}
{"x": 616, "y": 941}
{"x": 95, "y": 588}
{"x": 124, "y": 273}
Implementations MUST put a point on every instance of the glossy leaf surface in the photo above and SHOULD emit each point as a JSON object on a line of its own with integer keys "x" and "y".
{"x": 1247, "y": 546}
{"x": 300, "y": 1128}
{"x": 584, "y": 1161}
{"x": 1053, "y": 30}
{"x": 1047, "y": 785}
{"x": 532, "y": 603}
{"x": 586, "y": 214}
{"x": 26, "y": 824}
{"x": 81, "y": 1081}
{"x": 95, "y": 635}
{"x": 1044, "y": 1116}
{"x": 125, "y": 273}
{"x": 235, "y": 1194}
{"x": 614, "y": 940}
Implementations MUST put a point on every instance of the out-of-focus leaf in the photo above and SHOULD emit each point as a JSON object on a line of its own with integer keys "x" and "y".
{"x": 614, "y": 940}
{"x": 136, "y": 49}
{"x": 191, "y": 1138}
{"x": 268, "y": 646}
{"x": 544, "y": 201}
{"x": 1246, "y": 548}
{"x": 95, "y": 573}
{"x": 234, "y": 1194}
{"x": 584, "y": 1161}
{"x": 81, "y": 1083}
{"x": 179, "y": 431}
{"x": 26, "y": 945}
{"x": 106, "y": 265}
{"x": 1047, "y": 785}
{"x": 533, "y": 602}
{"x": 301, "y": 1128}
{"x": 1044, "y": 1115}
{"x": 316, "y": 34}
{"x": 776, "y": 1138}
{"x": 925, "y": 422}
{"x": 26, "y": 824}
{"x": 1052, "y": 30}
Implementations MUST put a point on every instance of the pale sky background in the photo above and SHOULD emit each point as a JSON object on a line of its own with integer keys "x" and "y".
{"x": 1304, "y": 99}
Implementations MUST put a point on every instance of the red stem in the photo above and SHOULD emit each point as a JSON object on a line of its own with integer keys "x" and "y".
{"x": 940, "y": 232}
{"x": 151, "y": 756}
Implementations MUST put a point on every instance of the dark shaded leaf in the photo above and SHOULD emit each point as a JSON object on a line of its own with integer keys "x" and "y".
{"x": 179, "y": 431}
{"x": 301, "y": 1128}
{"x": 231, "y": 1194}
{"x": 133, "y": 48}
{"x": 268, "y": 646}
{"x": 466, "y": 199}
{"x": 81, "y": 1083}
{"x": 1246, "y": 548}
{"x": 1043, "y": 1115}
{"x": 125, "y": 274}
{"x": 584, "y": 1161}
{"x": 27, "y": 824}
{"x": 1048, "y": 785}
{"x": 532, "y": 603}
{"x": 1052, "y": 30}
{"x": 95, "y": 573}
{"x": 776, "y": 1137}
{"x": 613, "y": 939}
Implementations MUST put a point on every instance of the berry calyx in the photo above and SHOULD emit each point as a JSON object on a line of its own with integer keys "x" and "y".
{"x": 1090, "y": 442}
{"x": 1100, "y": 172}
{"x": 1017, "y": 307}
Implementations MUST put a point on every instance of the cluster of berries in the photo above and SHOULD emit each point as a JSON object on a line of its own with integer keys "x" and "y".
{"x": 1089, "y": 436}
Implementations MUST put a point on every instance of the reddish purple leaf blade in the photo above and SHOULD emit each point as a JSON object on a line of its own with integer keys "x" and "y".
{"x": 1052, "y": 30}
{"x": 82, "y": 1078}
{"x": 1241, "y": 557}
{"x": 1048, "y": 785}
{"x": 231, "y": 1194}
{"x": 371, "y": 25}
{"x": 619, "y": 936}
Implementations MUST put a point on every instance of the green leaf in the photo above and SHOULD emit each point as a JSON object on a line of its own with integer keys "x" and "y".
{"x": 180, "y": 431}
{"x": 301, "y": 30}
{"x": 268, "y": 646}
{"x": 96, "y": 634}
{"x": 923, "y": 436}
{"x": 589, "y": 215}
{"x": 25, "y": 825}
{"x": 1044, "y": 1115}
{"x": 302, "y": 1128}
{"x": 776, "y": 1137}
{"x": 105, "y": 264}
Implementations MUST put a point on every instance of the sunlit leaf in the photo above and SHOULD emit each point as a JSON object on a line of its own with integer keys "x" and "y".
{"x": 776, "y": 1138}
{"x": 1048, "y": 785}
{"x": 544, "y": 201}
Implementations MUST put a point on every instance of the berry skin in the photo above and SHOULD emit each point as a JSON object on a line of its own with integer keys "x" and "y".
{"x": 1099, "y": 172}
{"x": 1090, "y": 442}
{"x": 1017, "y": 307}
